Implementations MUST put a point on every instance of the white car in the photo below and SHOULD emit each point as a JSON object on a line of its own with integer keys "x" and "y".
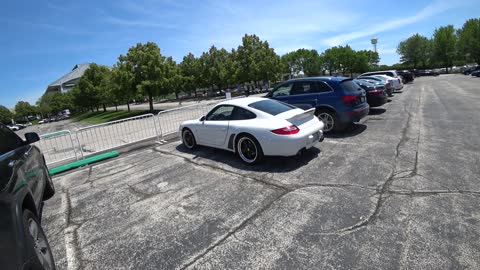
{"x": 390, "y": 74}
{"x": 254, "y": 127}
{"x": 13, "y": 127}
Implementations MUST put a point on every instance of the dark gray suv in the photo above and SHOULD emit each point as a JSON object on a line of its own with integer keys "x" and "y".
{"x": 24, "y": 185}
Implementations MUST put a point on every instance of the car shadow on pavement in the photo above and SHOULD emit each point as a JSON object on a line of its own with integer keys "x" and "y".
{"x": 376, "y": 111}
{"x": 270, "y": 164}
{"x": 352, "y": 130}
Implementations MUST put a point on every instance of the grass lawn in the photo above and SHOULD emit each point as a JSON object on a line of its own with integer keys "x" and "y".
{"x": 102, "y": 117}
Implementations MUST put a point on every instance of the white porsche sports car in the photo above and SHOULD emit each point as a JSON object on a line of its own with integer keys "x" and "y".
{"x": 254, "y": 127}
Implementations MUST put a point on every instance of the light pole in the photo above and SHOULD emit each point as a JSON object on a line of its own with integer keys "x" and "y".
{"x": 374, "y": 43}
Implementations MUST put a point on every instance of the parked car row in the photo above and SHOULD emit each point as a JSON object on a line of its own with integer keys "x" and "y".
{"x": 472, "y": 71}
{"x": 291, "y": 118}
{"x": 18, "y": 126}
{"x": 54, "y": 119}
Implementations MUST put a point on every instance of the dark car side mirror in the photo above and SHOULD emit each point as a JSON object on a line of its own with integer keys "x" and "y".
{"x": 202, "y": 119}
{"x": 32, "y": 137}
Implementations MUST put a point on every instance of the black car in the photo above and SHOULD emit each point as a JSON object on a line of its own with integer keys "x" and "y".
{"x": 471, "y": 70}
{"x": 476, "y": 73}
{"x": 407, "y": 76}
{"x": 426, "y": 72}
{"x": 24, "y": 185}
{"x": 376, "y": 95}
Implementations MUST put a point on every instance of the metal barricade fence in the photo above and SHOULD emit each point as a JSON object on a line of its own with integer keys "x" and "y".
{"x": 58, "y": 146}
{"x": 115, "y": 134}
{"x": 171, "y": 119}
{"x": 63, "y": 145}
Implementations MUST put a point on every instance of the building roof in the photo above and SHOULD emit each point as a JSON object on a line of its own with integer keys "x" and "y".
{"x": 76, "y": 73}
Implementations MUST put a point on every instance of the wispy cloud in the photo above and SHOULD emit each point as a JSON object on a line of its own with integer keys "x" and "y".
{"x": 139, "y": 23}
{"x": 428, "y": 11}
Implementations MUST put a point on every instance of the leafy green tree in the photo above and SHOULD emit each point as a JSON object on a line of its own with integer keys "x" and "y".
{"x": 330, "y": 62}
{"x": 5, "y": 115}
{"x": 256, "y": 60}
{"x": 90, "y": 91}
{"x": 303, "y": 60}
{"x": 53, "y": 103}
{"x": 173, "y": 79}
{"x": 361, "y": 62}
{"x": 24, "y": 109}
{"x": 414, "y": 51}
{"x": 123, "y": 86}
{"x": 469, "y": 40}
{"x": 444, "y": 43}
{"x": 149, "y": 70}
{"x": 189, "y": 69}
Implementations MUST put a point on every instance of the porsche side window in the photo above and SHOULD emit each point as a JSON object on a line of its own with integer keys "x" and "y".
{"x": 283, "y": 90}
{"x": 242, "y": 114}
{"x": 220, "y": 113}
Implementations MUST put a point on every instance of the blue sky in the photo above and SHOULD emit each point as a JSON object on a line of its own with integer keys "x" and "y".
{"x": 42, "y": 40}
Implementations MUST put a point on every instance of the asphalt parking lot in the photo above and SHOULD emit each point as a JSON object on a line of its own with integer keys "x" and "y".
{"x": 399, "y": 190}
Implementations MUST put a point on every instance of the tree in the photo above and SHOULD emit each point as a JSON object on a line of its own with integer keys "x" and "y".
{"x": 190, "y": 72}
{"x": 303, "y": 60}
{"x": 469, "y": 40}
{"x": 123, "y": 86}
{"x": 5, "y": 115}
{"x": 147, "y": 65}
{"x": 414, "y": 51}
{"x": 444, "y": 43}
{"x": 24, "y": 109}
{"x": 256, "y": 60}
{"x": 330, "y": 62}
{"x": 90, "y": 91}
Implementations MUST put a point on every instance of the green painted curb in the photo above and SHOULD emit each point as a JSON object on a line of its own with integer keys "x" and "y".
{"x": 82, "y": 162}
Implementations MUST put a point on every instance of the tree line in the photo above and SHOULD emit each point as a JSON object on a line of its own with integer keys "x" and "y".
{"x": 144, "y": 72}
{"x": 447, "y": 47}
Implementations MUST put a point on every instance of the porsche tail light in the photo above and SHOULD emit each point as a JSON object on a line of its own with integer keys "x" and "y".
{"x": 290, "y": 130}
{"x": 376, "y": 92}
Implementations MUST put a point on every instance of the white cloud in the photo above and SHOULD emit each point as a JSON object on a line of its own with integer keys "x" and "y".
{"x": 138, "y": 23}
{"x": 428, "y": 11}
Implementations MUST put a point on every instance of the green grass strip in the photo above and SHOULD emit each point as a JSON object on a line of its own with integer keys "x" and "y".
{"x": 82, "y": 162}
{"x": 55, "y": 134}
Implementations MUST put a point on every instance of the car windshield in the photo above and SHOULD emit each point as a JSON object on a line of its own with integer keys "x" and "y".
{"x": 271, "y": 106}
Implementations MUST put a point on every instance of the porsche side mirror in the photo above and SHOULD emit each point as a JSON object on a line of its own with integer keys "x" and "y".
{"x": 202, "y": 119}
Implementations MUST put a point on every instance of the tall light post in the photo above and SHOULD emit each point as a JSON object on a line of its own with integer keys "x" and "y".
{"x": 374, "y": 43}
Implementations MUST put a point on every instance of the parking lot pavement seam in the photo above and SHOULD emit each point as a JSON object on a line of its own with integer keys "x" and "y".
{"x": 70, "y": 234}
{"x": 275, "y": 184}
{"x": 383, "y": 192}
{"x": 334, "y": 185}
{"x": 424, "y": 193}
{"x": 234, "y": 230}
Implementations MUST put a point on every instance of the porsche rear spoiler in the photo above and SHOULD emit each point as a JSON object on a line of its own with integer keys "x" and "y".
{"x": 300, "y": 116}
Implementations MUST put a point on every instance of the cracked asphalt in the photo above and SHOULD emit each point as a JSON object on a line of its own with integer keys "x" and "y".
{"x": 399, "y": 190}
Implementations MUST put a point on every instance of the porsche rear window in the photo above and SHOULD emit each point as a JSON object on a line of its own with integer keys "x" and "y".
{"x": 272, "y": 107}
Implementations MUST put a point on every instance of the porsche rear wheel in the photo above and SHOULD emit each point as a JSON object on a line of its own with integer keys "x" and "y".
{"x": 188, "y": 139}
{"x": 249, "y": 149}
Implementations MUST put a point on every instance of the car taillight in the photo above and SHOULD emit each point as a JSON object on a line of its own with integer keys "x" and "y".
{"x": 349, "y": 99}
{"x": 398, "y": 80}
{"x": 388, "y": 84}
{"x": 290, "y": 130}
{"x": 376, "y": 92}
